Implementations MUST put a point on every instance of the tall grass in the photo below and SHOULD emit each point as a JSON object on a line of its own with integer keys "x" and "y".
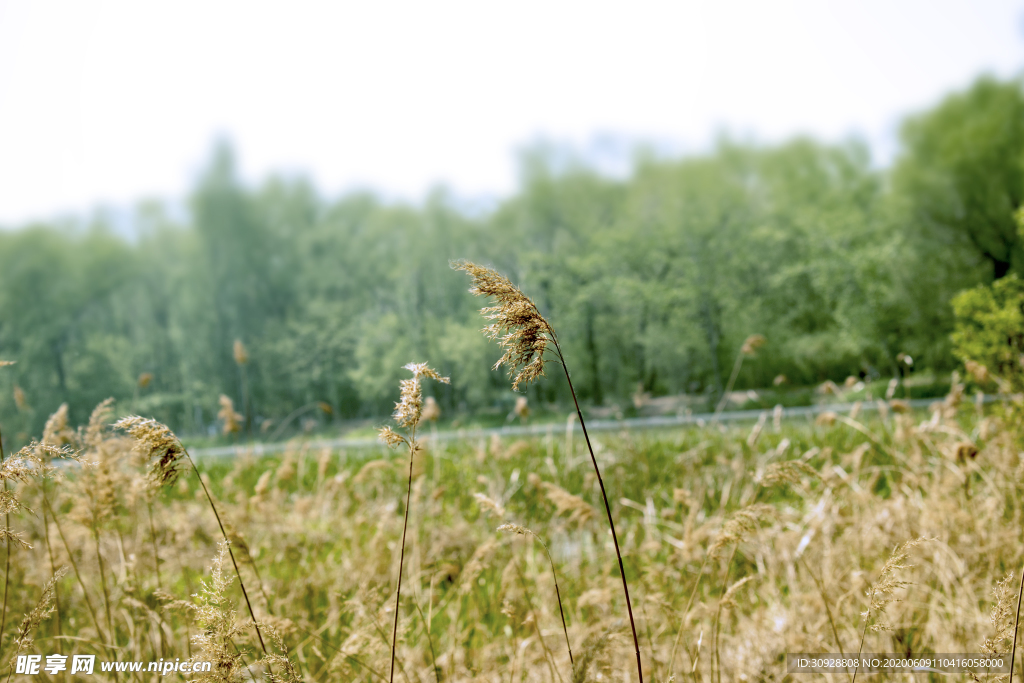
{"x": 740, "y": 550}
{"x": 524, "y": 334}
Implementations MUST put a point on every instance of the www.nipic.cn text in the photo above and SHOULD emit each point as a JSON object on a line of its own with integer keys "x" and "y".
{"x": 86, "y": 664}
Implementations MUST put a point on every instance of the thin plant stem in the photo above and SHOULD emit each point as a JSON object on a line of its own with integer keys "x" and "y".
{"x": 384, "y": 639}
{"x": 152, "y": 536}
{"x": 536, "y": 621}
{"x": 156, "y": 565}
{"x": 558, "y": 594}
{"x": 7, "y": 562}
{"x": 259, "y": 579}
{"x": 828, "y": 610}
{"x": 1016, "y": 623}
{"x": 512, "y": 661}
{"x": 224, "y": 533}
{"x": 103, "y": 584}
{"x": 426, "y": 628}
{"x": 242, "y": 657}
{"x": 732, "y": 380}
{"x": 53, "y": 564}
{"x": 686, "y": 610}
{"x": 401, "y": 560}
{"x": 74, "y": 565}
{"x": 607, "y": 507}
{"x": 864, "y": 633}
{"x": 716, "y": 661}
{"x": 561, "y": 613}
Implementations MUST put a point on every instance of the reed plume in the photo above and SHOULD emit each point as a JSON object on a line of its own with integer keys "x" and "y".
{"x": 750, "y": 346}
{"x": 164, "y": 451}
{"x": 882, "y": 591}
{"x": 43, "y": 609}
{"x": 408, "y": 413}
{"x": 217, "y": 623}
{"x": 227, "y": 414}
{"x": 525, "y": 335}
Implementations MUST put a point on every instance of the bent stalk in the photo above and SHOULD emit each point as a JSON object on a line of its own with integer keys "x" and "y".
{"x": 607, "y": 508}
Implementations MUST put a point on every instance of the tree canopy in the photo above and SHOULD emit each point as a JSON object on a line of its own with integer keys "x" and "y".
{"x": 653, "y": 281}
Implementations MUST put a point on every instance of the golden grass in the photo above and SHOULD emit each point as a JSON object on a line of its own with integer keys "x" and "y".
{"x": 738, "y": 553}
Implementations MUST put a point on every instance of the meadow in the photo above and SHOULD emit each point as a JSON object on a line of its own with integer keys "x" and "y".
{"x": 740, "y": 543}
{"x": 704, "y": 553}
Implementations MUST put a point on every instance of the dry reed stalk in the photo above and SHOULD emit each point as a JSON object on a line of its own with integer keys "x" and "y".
{"x": 78, "y": 575}
{"x": 56, "y": 433}
{"x": 524, "y": 334}
{"x": 229, "y": 416}
{"x": 241, "y": 356}
{"x": 408, "y": 414}
{"x": 42, "y": 610}
{"x": 548, "y": 657}
{"x": 750, "y": 345}
{"x": 523, "y": 531}
{"x": 164, "y": 451}
{"x": 716, "y": 662}
{"x": 1000, "y": 617}
{"x": 881, "y": 591}
{"x": 20, "y": 467}
{"x": 430, "y": 641}
{"x": 1016, "y": 624}
{"x": 726, "y": 602}
{"x": 686, "y": 611}
{"x": 7, "y": 553}
{"x": 828, "y": 609}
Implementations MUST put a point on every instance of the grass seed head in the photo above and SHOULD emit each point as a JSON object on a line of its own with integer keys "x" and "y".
{"x": 489, "y": 505}
{"x": 752, "y": 344}
{"x": 579, "y": 510}
{"x": 431, "y": 410}
{"x": 1002, "y": 615}
{"x": 217, "y": 623}
{"x": 729, "y": 599}
{"x": 790, "y": 472}
{"x": 882, "y": 591}
{"x": 390, "y": 437}
{"x": 240, "y": 353}
{"x": 43, "y": 609}
{"x": 229, "y": 416}
{"x": 98, "y": 421}
{"x": 409, "y": 411}
{"x": 741, "y": 525}
{"x": 516, "y": 529}
{"x": 517, "y": 324}
{"x": 158, "y": 445}
{"x": 20, "y": 402}
{"x": 56, "y": 431}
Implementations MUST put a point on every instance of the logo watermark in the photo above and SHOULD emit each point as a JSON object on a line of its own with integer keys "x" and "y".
{"x": 87, "y": 664}
{"x": 891, "y": 662}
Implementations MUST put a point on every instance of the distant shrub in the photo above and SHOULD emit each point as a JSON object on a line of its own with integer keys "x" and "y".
{"x": 989, "y": 330}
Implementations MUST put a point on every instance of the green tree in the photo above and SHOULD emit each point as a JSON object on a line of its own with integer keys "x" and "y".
{"x": 990, "y": 328}
{"x": 961, "y": 173}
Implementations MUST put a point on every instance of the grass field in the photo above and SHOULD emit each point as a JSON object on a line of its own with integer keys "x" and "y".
{"x": 740, "y": 544}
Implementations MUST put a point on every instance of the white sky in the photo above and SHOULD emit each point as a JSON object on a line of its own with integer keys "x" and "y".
{"x": 110, "y": 102}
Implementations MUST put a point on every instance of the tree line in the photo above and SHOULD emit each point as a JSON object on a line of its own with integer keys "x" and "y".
{"x": 292, "y": 303}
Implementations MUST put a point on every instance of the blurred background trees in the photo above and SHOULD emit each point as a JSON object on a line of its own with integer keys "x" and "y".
{"x": 653, "y": 281}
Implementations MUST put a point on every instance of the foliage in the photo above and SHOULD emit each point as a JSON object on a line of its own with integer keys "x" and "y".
{"x": 962, "y": 172}
{"x": 990, "y": 328}
{"x": 654, "y": 280}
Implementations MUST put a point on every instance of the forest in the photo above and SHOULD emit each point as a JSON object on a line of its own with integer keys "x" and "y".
{"x": 281, "y": 298}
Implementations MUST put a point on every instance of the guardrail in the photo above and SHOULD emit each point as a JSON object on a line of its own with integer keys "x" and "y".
{"x": 658, "y": 422}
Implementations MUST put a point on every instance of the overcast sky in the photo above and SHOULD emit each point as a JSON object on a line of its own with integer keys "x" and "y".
{"x": 111, "y": 102}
